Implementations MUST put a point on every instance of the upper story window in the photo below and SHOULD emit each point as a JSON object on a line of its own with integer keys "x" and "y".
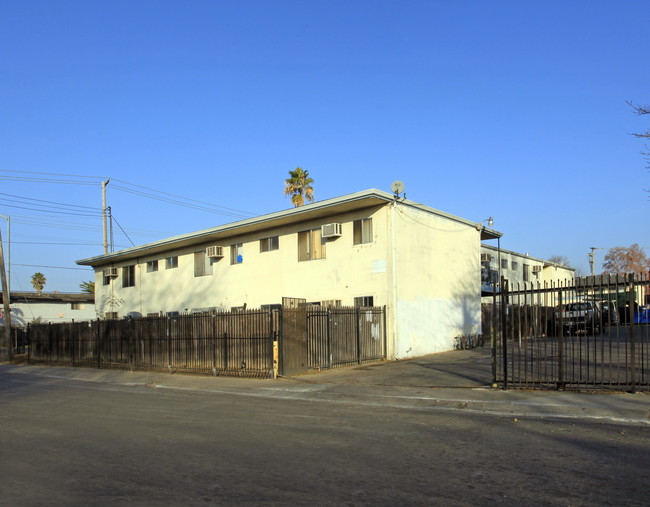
{"x": 504, "y": 263}
{"x": 152, "y": 266}
{"x": 237, "y": 253}
{"x": 171, "y": 262}
{"x": 202, "y": 264}
{"x": 310, "y": 245}
{"x": 268, "y": 244}
{"x": 128, "y": 276}
{"x": 526, "y": 273}
{"x": 77, "y": 306}
{"x": 362, "y": 231}
{"x": 515, "y": 265}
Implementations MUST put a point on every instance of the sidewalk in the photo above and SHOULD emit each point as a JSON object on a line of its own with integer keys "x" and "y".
{"x": 457, "y": 380}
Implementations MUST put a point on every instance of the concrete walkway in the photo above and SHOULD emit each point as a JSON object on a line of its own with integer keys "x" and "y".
{"x": 458, "y": 380}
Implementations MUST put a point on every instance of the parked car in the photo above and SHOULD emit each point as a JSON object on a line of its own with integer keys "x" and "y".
{"x": 609, "y": 312}
{"x": 642, "y": 315}
{"x": 582, "y": 316}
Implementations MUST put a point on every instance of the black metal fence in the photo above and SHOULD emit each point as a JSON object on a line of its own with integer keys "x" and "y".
{"x": 229, "y": 343}
{"x": 591, "y": 333}
{"x": 221, "y": 343}
{"x": 342, "y": 336}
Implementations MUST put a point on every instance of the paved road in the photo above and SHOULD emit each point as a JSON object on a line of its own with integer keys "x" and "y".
{"x": 356, "y": 437}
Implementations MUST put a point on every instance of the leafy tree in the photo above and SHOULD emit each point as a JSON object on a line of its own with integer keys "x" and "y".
{"x": 621, "y": 260}
{"x": 87, "y": 287}
{"x": 563, "y": 260}
{"x": 38, "y": 281}
{"x": 298, "y": 187}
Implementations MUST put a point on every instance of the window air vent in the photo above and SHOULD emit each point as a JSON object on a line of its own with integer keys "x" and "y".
{"x": 214, "y": 251}
{"x": 330, "y": 230}
{"x": 112, "y": 272}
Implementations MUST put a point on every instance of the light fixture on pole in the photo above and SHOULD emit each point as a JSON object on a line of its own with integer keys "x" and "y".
{"x": 479, "y": 226}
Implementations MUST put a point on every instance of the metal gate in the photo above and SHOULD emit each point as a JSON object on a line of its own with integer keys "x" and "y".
{"x": 591, "y": 333}
{"x": 293, "y": 337}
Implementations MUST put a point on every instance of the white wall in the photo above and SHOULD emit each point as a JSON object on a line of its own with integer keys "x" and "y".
{"x": 24, "y": 313}
{"x": 438, "y": 282}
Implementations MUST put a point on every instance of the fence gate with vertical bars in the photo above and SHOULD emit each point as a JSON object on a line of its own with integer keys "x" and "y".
{"x": 591, "y": 333}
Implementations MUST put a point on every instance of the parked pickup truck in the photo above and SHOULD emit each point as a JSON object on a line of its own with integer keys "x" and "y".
{"x": 582, "y": 316}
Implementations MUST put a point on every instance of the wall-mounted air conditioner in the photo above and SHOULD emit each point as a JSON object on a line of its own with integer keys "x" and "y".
{"x": 330, "y": 230}
{"x": 215, "y": 252}
{"x": 485, "y": 257}
{"x": 111, "y": 272}
{"x": 537, "y": 269}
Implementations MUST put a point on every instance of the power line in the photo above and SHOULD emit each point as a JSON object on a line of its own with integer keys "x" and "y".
{"x": 48, "y": 267}
{"x": 50, "y": 202}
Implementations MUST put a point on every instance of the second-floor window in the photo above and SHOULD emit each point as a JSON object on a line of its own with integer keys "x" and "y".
{"x": 152, "y": 266}
{"x": 202, "y": 264}
{"x": 237, "y": 253}
{"x": 171, "y": 262}
{"x": 362, "y": 231}
{"x": 128, "y": 276}
{"x": 268, "y": 244}
{"x": 310, "y": 245}
{"x": 526, "y": 273}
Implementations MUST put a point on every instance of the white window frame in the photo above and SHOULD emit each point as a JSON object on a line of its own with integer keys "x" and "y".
{"x": 237, "y": 253}
{"x": 362, "y": 231}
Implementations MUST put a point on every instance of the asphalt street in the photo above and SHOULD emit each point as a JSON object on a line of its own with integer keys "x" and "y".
{"x": 410, "y": 432}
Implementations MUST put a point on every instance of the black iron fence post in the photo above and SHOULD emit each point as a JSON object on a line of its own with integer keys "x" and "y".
{"x": 98, "y": 344}
{"x": 560, "y": 341}
{"x": 225, "y": 351}
{"x": 358, "y": 334}
{"x": 169, "y": 344}
{"x": 493, "y": 337}
{"x": 214, "y": 344}
{"x": 632, "y": 345}
{"x": 504, "y": 339}
{"x": 329, "y": 337}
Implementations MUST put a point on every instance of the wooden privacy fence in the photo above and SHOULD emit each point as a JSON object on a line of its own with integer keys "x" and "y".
{"x": 593, "y": 332}
{"x": 222, "y": 343}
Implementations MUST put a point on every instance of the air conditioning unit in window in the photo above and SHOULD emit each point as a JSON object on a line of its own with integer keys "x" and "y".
{"x": 215, "y": 252}
{"x": 485, "y": 257}
{"x": 537, "y": 269}
{"x": 330, "y": 230}
{"x": 111, "y": 272}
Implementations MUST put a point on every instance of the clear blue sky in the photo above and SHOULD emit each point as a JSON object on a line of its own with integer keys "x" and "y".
{"x": 510, "y": 109}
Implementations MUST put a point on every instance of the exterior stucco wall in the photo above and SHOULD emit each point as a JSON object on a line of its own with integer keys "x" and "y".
{"x": 24, "y": 313}
{"x": 539, "y": 270}
{"x": 346, "y": 272}
{"x": 438, "y": 284}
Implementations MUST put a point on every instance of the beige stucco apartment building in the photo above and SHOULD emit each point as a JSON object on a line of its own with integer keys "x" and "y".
{"x": 521, "y": 269}
{"x": 370, "y": 248}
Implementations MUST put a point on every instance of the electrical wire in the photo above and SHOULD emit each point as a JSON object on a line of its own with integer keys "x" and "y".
{"x": 48, "y": 267}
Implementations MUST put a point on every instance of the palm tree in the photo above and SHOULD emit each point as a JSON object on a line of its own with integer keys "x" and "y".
{"x": 38, "y": 281}
{"x": 298, "y": 186}
{"x": 87, "y": 287}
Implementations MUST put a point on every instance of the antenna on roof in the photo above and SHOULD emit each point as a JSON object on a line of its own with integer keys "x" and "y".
{"x": 397, "y": 187}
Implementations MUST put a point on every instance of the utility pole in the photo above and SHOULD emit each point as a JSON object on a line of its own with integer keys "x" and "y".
{"x": 8, "y": 219}
{"x": 104, "y": 184}
{"x": 5, "y": 301}
{"x": 591, "y": 258}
